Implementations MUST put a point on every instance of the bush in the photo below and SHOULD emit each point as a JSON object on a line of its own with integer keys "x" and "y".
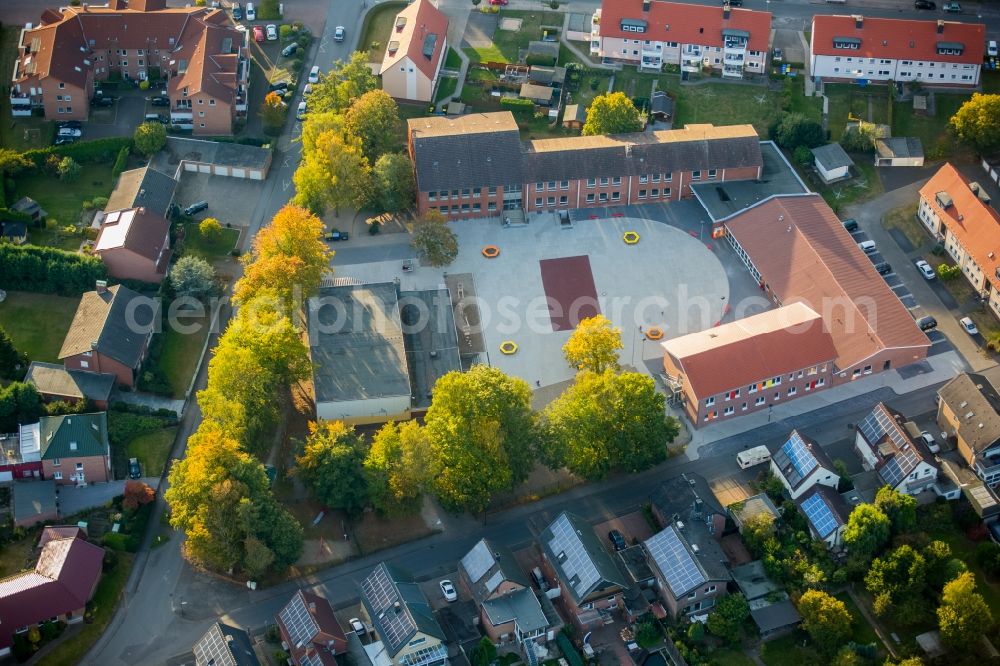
{"x": 143, "y": 85}
{"x": 285, "y": 32}
{"x": 99, "y": 202}
{"x": 802, "y": 155}
{"x": 84, "y": 152}
{"x": 948, "y": 272}
{"x": 48, "y": 270}
{"x": 115, "y": 541}
{"x": 69, "y": 169}
{"x": 516, "y": 105}
{"x": 110, "y": 561}
{"x": 121, "y": 162}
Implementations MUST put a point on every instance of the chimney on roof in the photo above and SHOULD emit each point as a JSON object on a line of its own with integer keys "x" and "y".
{"x": 645, "y": 6}
{"x": 116, "y": 4}
{"x": 859, "y": 21}
{"x": 102, "y": 286}
{"x": 940, "y": 26}
{"x": 726, "y": 9}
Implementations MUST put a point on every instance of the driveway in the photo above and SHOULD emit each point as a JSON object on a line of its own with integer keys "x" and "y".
{"x": 230, "y": 200}
{"x": 73, "y": 500}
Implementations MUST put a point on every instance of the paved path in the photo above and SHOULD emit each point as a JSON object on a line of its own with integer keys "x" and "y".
{"x": 873, "y": 621}
{"x": 73, "y": 500}
{"x": 148, "y": 400}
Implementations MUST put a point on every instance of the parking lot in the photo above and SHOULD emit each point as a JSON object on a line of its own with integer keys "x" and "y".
{"x": 230, "y": 200}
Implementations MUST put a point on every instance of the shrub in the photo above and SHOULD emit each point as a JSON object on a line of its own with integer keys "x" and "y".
{"x": 99, "y": 202}
{"x": 285, "y": 32}
{"x": 517, "y": 105}
{"x": 115, "y": 541}
{"x": 48, "y": 270}
{"x": 802, "y": 155}
{"x": 210, "y": 229}
{"x": 69, "y": 169}
{"x": 144, "y": 85}
{"x": 948, "y": 272}
{"x": 121, "y": 162}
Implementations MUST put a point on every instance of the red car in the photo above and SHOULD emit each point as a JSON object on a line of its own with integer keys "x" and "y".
{"x": 502, "y": 3}
{"x": 258, "y": 34}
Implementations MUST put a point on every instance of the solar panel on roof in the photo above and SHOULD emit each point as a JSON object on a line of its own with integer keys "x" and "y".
{"x": 820, "y": 515}
{"x": 879, "y": 425}
{"x": 675, "y": 562}
{"x": 572, "y": 557}
{"x": 213, "y": 648}
{"x": 299, "y": 624}
{"x": 795, "y": 459}
{"x": 392, "y": 618}
{"x": 478, "y": 561}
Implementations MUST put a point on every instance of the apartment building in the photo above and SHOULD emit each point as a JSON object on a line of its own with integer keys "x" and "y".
{"x": 969, "y": 412}
{"x": 860, "y": 49}
{"x": 196, "y": 50}
{"x": 476, "y": 165}
{"x": 650, "y": 34}
{"x": 958, "y": 212}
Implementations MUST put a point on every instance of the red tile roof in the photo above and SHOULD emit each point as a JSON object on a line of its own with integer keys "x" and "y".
{"x": 60, "y": 532}
{"x": 803, "y": 253}
{"x": 901, "y": 39}
{"x": 64, "y": 579}
{"x": 325, "y": 636}
{"x": 685, "y": 24}
{"x": 421, "y": 19}
{"x": 748, "y": 350}
{"x": 976, "y": 225}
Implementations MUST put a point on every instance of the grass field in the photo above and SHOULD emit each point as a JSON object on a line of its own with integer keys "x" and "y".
{"x": 453, "y": 61}
{"x": 904, "y": 219}
{"x": 37, "y": 323}
{"x": 788, "y": 651}
{"x": 180, "y": 353}
{"x": 18, "y": 133}
{"x": 446, "y": 88}
{"x": 730, "y": 658}
{"x": 507, "y": 44}
{"x": 63, "y": 200}
{"x": 377, "y": 28}
{"x": 931, "y": 130}
{"x": 209, "y": 250}
{"x": 152, "y": 450}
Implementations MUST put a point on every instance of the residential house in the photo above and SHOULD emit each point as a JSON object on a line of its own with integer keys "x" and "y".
{"x": 653, "y": 33}
{"x": 832, "y": 162}
{"x": 197, "y": 50}
{"x": 416, "y": 50}
{"x": 74, "y": 448}
{"x": 899, "y": 151}
{"x": 402, "y": 617}
{"x": 959, "y": 214}
{"x": 224, "y": 645}
{"x": 590, "y": 582}
{"x": 750, "y": 364}
{"x": 969, "y": 412}
{"x": 691, "y": 569}
{"x": 476, "y": 165}
{"x": 510, "y": 611}
{"x": 574, "y": 116}
{"x": 55, "y": 382}
{"x": 826, "y": 513}
{"x": 14, "y": 232}
{"x": 134, "y": 244}
{"x": 110, "y": 333}
{"x": 797, "y": 249}
{"x": 58, "y": 588}
{"x": 860, "y": 49}
{"x": 311, "y": 631}
{"x": 749, "y": 509}
{"x": 892, "y": 446}
{"x": 801, "y": 463}
{"x": 147, "y": 188}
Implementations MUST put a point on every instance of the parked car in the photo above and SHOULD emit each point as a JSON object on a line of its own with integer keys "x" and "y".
{"x": 339, "y": 33}
{"x": 927, "y": 323}
{"x": 313, "y": 74}
{"x": 930, "y": 442}
{"x": 156, "y": 118}
{"x": 924, "y": 4}
{"x": 74, "y": 124}
{"x": 733, "y": 3}
{"x": 272, "y": 32}
{"x": 777, "y": 55}
{"x": 883, "y": 268}
{"x": 159, "y": 100}
{"x": 991, "y": 48}
{"x": 925, "y": 269}
{"x": 868, "y": 246}
{"x": 70, "y": 131}
{"x": 102, "y": 100}
{"x": 134, "y": 471}
{"x": 851, "y": 224}
{"x": 357, "y": 626}
{"x": 196, "y": 208}
{"x": 252, "y": 12}
{"x": 290, "y": 50}
{"x": 258, "y": 34}
{"x": 968, "y": 325}
{"x": 278, "y": 86}
{"x": 300, "y": 113}
{"x": 307, "y": 90}
{"x": 237, "y": 11}
{"x": 952, "y": 7}
{"x": 617, "y": 540}
{"x": 499, "y": 3}
{"x": 338, "y": 236}
{"x": 448, "y": 590}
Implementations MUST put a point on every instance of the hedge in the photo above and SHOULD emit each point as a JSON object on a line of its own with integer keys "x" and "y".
{"x": 85, "y": 152}
{"x": 8, "y": 215}
{"x": 48, "y": 270}
{"x": 517, "y": 105}
{"x": 121, "y": 161}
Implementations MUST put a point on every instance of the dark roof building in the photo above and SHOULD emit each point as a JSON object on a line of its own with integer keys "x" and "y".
{"x": 969, "y": 411}
{"x": 487, "y": 566}
{"x": 753, "y": 581}
{"x": 311, "y": 630}
{"x": 56, "y": 382}
{"x": 801, "y": 463}
{"x": 224, "y": 645}
{"x": 832, "y": 156}
{"x": 826, "y": 512}
{"x": 106, "y": 321}
{"x": 775, "y": 618}
{"x": 34, "y": 502}
{"x": 400, "y": 612}
{"x": 583, "y": 566}
{"x": 56, "y": 532}
{"x": 74, "y": 436}
{"x": 144, "y": 187}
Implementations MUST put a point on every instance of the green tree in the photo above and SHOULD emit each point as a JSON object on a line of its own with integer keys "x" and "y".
{"x": 727, "y": 619}
{"x": 374, "y": 119}
{"x": 272, "y": 113}
{"x": 896, "y": 582}
{"x": 210, "y": 229}
{"x": 258, "y": 558}
{"x": 696, "y": 632}
{"x": 963, "y": 615}
{"x": 19, "y": 403}
{"x": 193, "y": 276}
{"x": 826, "y": 619}
{"x": 481, "y": 429}
{"x": 485, "y": 653}
{"x": 150, "y": 138}
{"x": 396, "y": 467}
{"x": 334, "y": 174}
{"x": 901, "y": 509}
{"x": 977, "y": 122}
{"x": 332, "y": 466}
{"x": 69, "y": 169}
{"x": 13, "y": 363}
{"x": 594, "y": 345}
{"x": 395, "y": 189}
{"x": 867, "y": 531}
{"x": 613, "y": 113}
{"x": 13, "y": 162}
{"x": 346, "y": 82}
{"x": 757, "y": 531}
{"x": 607, "y": 422}
{"x": 792, "y": 130}
{"x": 941, "y": 565}
{"x": 434, "y": 240}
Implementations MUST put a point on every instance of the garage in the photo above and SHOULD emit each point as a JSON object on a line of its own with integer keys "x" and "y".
{"x": 222, "y": 170}
{"x": 239, "y": 173}
{"x": 190, "y": 166}
{"x": 204, "y": 168}
{"x": 218, "y": 158}
{"x": 256, "y": 175}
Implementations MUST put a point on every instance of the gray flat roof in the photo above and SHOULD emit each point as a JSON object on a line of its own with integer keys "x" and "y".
{"x": 210, "y": 152}
{"x": 356, "y": 343}
{"x": 723, "y": 199}
{"x": 430, "y": 339}
{"x": 832, "y": 156}
{"x": 34, "y": 499}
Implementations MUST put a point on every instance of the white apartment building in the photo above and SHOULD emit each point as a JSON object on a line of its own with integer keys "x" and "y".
{"x": 855, "y": 49}
{"x": 653, "y": 33}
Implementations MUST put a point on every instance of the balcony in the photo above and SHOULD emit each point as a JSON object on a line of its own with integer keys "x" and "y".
{"x": 990, "y": 474}
{"x": 735, "y": 45}
{"x": 732, "y": 72}
{"x": 181, "y": 115}
{"x": 19, "y": 99}
{"x": 731, "y": 59}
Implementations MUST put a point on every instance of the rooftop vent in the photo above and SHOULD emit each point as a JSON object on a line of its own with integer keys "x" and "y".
{"x": 859, "y": 21}
{"x": 680, "y": 525}
{"x": 694, "y": 547}
{"x": 940, "y": 26}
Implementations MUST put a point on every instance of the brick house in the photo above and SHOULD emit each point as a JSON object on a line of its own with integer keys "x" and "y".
{"x": 416, "y": 48}
{"x": 110, "y": 333}
{"x": 311, "y": 631}
{"x": 590, "y": 582}
{"x": 801, "y": 463}
{"x": 476, "y": 166}
{"x": 74, "y": 448}
{"x": 969, "y": 412}
{"x": 134, "y": 244}
{"x": 197, "y": 50}
{"x": 892, "y": 446}
{"x": 653, "y": 33}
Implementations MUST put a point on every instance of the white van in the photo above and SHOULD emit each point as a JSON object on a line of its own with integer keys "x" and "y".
{"x": 251, "y": 12}
{"x": 754, "y": 456}
{"x": 868, "y": 246}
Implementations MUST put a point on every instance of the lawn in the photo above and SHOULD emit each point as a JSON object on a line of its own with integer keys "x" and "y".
{"x": 507, "y": 44}
{"x": 865, "y": 186}
{"x": 931, "y": 130}
{"x": 18, "y": 133}
{"x": 446, "y": 88}
{"x": 730, "y": 658}
{"x": 788, "y": 651}
{"x": 19, "y": 555}
{"x": 861, "y": 631}
{"x": 377, "y": 28}
{"x": 453, "y": 61}
{"x": 63, "y": 200}
{"x": 180, "y": 352}
{"x": 103, "y": 604}
{"x": 964, "y": 549}
{"x": 152, "y": 450}
{"x": 726, "y": 104}
{"x": 37, "y": 323}
{"x": 209, "y": 250}
{"x": 904, "y": 218}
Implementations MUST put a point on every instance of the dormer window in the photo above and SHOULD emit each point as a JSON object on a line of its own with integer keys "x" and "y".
{"x": 851, "y": 43}
{"x": 950, "y": 48}
{"x": 634, "y": 25}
